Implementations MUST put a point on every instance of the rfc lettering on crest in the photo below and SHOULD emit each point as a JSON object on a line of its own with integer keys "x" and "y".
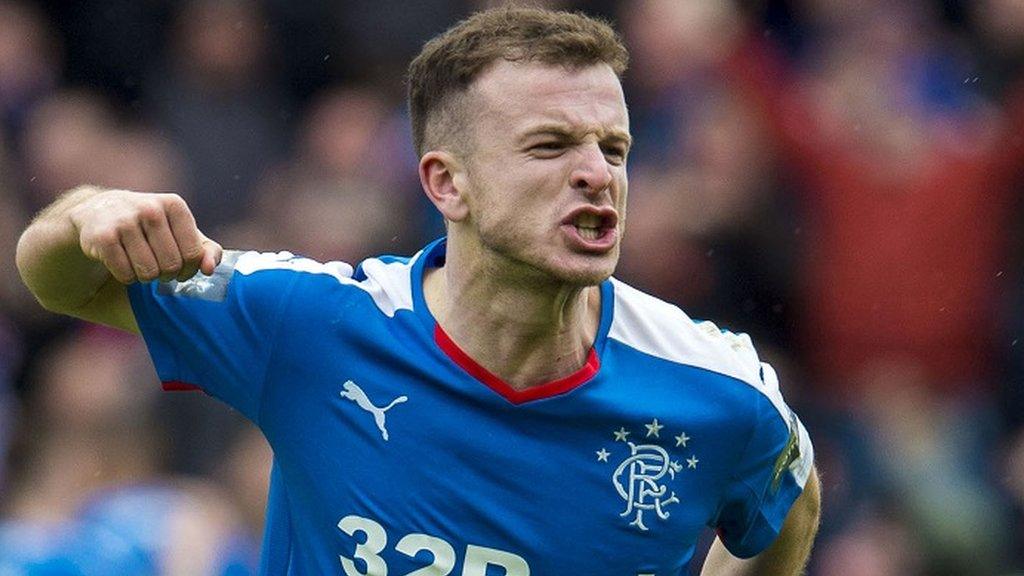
{"x": 643, "y": 478}
{"x": 638, "y": 480}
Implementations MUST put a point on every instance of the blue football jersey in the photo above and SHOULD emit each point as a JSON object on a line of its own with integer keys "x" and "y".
{"x": 395, "y": 453}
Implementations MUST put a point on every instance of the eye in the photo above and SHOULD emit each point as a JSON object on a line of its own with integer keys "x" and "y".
{"x": 553, "y": 146}
{"x": 550, "y": 149}
{"x": 615, "y": 154}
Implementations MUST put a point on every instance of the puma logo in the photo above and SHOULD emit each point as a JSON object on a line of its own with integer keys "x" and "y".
{"x": 354, "y": 393}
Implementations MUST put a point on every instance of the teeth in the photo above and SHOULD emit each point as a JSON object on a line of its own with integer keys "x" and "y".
{"x": 587, "y": 220}
{"x": 589, "y": 233}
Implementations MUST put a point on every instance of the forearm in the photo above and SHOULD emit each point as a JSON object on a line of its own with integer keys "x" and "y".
{"x": 79, "y": 253}
{"x": 51, "y": 261}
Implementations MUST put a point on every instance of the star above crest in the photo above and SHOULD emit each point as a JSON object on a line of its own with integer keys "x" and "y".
{"x": 682, "y": 439}
{"x": 653, "y": 429}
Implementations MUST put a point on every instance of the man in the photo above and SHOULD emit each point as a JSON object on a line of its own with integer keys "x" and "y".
{"x": 494, "y": 403}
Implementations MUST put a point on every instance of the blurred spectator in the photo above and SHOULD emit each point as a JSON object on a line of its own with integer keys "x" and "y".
{"x": 245, "y": 472}
{"x": 74, "y": 137}
{"x": 137, "y": 158}
{"x": 30, "y": 548}
{"x": 29, "y": 62}
{"x": 308, "y": 44}
{"x": 15, "y": 301}
{"x": 894, "y": 152}
{"x": 998, "y": 26}
{"x": 715, "y": 202}
{"x": 367, "y": 56}
{"x": 956, "y": 515}
{"x": 876, "y": 545}
{"x": 87, "y": 425}
{"x": 1012, "y": 475}
{"x": 354, "y": 133}
{"x": 308, "y": 217}
{"x": 89, "y": 431}
{"x": 220, "y": 104}
{"x": 175, "y": 528}
{"x": 109, "y": 45}
{"x": 704, "y": 178}
{"x": 63, "y": 137}
{"x": 907, "y": 174}
{"x": 674, "y": 46}
{"x": 15, "y": 304}
{"x": 348, "y": 191}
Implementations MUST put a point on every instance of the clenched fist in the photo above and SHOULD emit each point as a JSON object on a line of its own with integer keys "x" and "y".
{"x": 141, "y": 236}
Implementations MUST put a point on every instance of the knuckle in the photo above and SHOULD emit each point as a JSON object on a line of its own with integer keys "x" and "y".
{"x": 172, "y": 200}
{"x": 150, "y": 213}
{"x": 171, "y": 266}
{"x": 175, "y": 204}
{"x": 124, "y": 224}
{"x": 105, "y": 237}
{"x": 192, "y": 252}
{"x": 146, "y": 271}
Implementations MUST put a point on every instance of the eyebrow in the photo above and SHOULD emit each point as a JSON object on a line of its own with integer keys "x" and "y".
{"x": 565, "y": 132}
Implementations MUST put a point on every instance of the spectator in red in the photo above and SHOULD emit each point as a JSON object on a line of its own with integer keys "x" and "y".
{"x": 908, "y": 175}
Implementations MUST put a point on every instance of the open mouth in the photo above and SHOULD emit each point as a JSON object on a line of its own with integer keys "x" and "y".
{"x": 590, "y": 226}
{"x": 593, "y": 224}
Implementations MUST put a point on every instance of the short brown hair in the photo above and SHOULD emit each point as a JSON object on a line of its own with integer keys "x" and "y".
{"x": 449, "y": 63}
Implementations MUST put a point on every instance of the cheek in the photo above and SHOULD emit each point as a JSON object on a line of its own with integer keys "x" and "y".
{"x": 520, "y": 198}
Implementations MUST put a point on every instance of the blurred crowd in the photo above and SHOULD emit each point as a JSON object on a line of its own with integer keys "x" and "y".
{"x": 840, "y": 179}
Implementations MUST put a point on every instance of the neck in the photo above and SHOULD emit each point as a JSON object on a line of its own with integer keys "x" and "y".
{"x": 525, "y": 331}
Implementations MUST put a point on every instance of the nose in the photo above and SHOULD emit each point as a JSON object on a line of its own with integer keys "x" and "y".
{"x": 591, "y": 174}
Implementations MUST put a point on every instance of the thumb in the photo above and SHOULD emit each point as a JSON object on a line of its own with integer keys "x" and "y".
{"x": 212, "y": 254}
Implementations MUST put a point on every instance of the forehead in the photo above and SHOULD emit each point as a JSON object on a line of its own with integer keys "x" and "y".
{"x": 518, "y": 96}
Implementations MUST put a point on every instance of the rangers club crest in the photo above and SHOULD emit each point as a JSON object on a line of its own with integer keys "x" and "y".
{"x": 645, "y": 474}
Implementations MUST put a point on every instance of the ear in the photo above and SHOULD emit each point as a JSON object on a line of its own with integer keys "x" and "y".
{"x": 443, "y": 181}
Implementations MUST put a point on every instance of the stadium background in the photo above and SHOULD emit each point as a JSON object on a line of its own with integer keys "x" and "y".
{"x": 839, "y": 179}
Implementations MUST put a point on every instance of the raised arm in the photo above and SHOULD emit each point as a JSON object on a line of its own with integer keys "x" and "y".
{"x": 80, "y": 252}
{"x": 788, "y": 555}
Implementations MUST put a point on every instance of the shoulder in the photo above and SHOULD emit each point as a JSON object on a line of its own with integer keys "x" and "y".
{"x": 657, "y": 328}
{"x": 660, "y": 329}
{"x": 387, "y": 280}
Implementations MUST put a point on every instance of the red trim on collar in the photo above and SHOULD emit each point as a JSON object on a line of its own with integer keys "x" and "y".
{"x": 179, "y": 386}
{"x": 538, "y": 392}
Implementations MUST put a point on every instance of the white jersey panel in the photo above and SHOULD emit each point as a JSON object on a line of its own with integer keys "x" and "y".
{"x": 661, "y": 329}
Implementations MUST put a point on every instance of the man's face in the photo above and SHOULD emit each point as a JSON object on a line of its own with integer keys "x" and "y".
{"x": 546, "y": 170}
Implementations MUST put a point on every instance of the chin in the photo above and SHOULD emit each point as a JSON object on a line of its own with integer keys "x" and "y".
{"x": 548, "y": 266}
{"x": 590, "y": 272}
{"x": 584, "y": 280}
